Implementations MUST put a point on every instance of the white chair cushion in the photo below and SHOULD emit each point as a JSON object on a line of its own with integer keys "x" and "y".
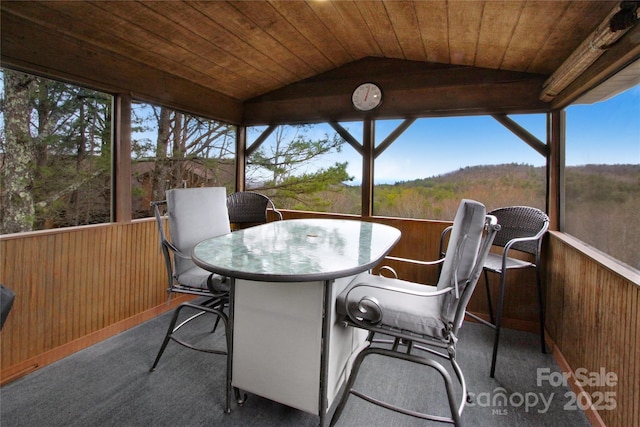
{"x": 462, "y": 253}
{"x": 196, "y": 277}
{"x": 196, "y": 214}
{"x": 401, "y": 311}
{"x": 462, "y": 249}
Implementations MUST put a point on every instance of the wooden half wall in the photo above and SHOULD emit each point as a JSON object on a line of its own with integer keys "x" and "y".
{"x": 593, "y": 319}
{"x": 75, "y": 287}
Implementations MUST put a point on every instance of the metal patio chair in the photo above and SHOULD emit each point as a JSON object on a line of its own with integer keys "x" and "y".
{"x": 423, "y": 321}
{"x": 194, "y": 214}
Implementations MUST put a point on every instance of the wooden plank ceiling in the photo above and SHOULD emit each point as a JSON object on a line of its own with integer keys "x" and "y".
{"x": 239, "y": 51}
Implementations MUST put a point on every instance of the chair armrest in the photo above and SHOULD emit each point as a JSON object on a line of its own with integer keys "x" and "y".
{"x": 175, "y": 250}
{"x": 415, "y": 261}
{"x": 393, "y": 288}
{"x": 521, "y": 239}
{"x": 443, "y": 236}
{"x": 275, "y": 210}
{"x": 368, "y": 309}
{"x": 516, "y": 240}
{"x": 408, "y": 260}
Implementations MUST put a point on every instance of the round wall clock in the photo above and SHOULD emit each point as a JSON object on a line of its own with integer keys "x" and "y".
{"x": 366, "y": 97}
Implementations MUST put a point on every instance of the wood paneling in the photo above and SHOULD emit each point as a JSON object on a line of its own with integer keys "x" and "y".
{"x": 72, "y": 285}
{"x": 593, "y": 317}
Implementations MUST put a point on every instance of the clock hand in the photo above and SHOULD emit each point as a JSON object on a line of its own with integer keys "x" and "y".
{"x": 367, "y": 94}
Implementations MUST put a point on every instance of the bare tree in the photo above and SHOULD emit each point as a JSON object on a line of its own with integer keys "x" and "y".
{"x": 183, "y": 138}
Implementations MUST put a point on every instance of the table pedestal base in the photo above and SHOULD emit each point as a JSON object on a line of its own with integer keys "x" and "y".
{"x": 279, "y": 347}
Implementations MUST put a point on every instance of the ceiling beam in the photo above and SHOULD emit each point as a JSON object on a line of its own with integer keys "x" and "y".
{"x": 410, "y": 89}
{"x": 523, "y": 134}
{"x": 395, "y": 134}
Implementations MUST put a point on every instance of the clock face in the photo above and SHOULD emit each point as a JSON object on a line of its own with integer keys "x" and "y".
{"x": 366, "y": 97}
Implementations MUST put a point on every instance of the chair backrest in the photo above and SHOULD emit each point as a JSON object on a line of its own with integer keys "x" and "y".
{"x": 249, "y": 207}
{"x": 470, "y": 241}
{"x": 6, "y": 302}
{"x": 195, "y": 214}
{"x": 159, "y": 209}
{"x": 521, "y": 221}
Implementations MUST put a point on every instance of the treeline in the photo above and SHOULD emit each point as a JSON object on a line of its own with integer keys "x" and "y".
{"x": 601, "y": 208}
{"x": 602, "y": 201}
{"x": 438, "y": 197}
{"x": 602, "y": 183}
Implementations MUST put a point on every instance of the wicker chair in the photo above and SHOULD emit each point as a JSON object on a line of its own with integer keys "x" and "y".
{"x": 522, "y": 229}
{"x": 247, "y": 208}
{"x": 423, "y": 321}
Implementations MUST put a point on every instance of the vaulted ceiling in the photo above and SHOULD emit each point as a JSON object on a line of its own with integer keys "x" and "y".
{"x": 243, "y": 58}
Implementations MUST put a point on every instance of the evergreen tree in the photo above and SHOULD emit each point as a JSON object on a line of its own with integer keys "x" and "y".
{"x": 285, "y": 168}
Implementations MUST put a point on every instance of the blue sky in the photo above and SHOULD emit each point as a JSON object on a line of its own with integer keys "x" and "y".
{"x": 605, "y": 132}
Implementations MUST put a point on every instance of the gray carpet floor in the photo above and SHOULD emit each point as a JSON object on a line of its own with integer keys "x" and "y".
{"x": 109, "y": 384}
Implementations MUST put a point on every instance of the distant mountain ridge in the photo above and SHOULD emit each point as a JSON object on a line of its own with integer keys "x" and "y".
{"x": 601, "y": 201}
{"x": 620, "y": 172}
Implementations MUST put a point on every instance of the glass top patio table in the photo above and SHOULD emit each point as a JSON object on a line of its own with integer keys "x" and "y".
{"x": 297, "y": 250}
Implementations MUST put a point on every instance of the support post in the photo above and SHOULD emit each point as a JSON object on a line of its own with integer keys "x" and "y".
{"x": 368, "y": 159}
{"x": 556, "y": 134}
{"x": 241, "y": 157}
{"x": 121, "y": 159}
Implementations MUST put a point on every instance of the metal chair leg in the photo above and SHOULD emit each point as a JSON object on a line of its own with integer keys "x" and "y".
{"x": 215, "y": 325}
{"x": 201, "y": 309}
{"x": 540, "y": 310}
{"x": 167, "y": 337}
{"x": 494, "y": 355}
{"x": 218, "y": 306}
{"x": 489, "y": 303}
{"x": 347, "y": 391}
{"x": 455, "y": 412}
